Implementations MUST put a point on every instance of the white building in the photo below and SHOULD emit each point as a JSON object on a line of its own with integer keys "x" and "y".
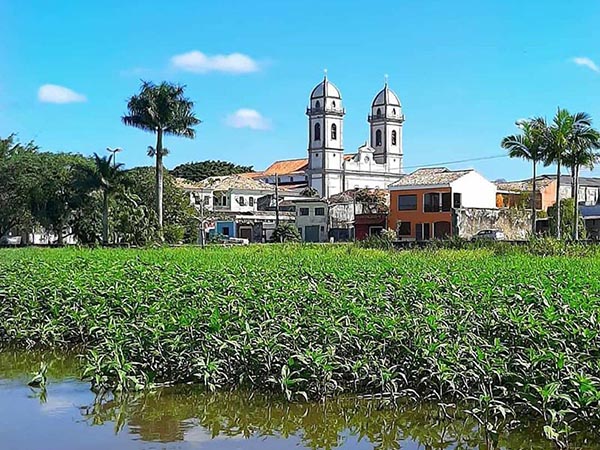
{"x": 376, "y": 164}
{"x": 312, "y": 219}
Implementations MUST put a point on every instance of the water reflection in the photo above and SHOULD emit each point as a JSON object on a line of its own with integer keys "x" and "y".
{"x": 188, "y": 417}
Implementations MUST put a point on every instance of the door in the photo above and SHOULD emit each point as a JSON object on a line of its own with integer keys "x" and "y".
{"x": 426, "y": 231}
{"x": 246, "y": 233}
{"x": 419, "y": 232}
{"x": 311, "y": 233}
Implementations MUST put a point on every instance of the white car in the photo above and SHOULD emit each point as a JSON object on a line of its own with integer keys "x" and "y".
{"x": 489, "y": 235}
{"x": 10, "y": 240}
{"x": 237, "y": 241}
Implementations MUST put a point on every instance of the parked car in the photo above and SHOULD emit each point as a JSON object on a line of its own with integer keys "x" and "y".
{"x": 489, "y": 235}
{"x": 10, "y": 240}
{"x": 237, "y": 241}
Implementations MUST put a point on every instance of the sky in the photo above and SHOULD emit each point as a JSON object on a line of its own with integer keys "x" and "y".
{"x": 463, "y": 70}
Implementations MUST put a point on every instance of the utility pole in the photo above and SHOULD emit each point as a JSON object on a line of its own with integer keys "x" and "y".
{"x": 276, "y": 200}
{"x": 113, "y": 152}
{"x": 202, "y": 218}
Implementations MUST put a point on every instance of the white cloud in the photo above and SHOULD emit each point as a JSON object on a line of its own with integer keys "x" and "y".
{"x": 248, "y": 118}
{"x": 586, "y": 62}
{"x": 52, "y": 93}
{"x": 198, "y": 62}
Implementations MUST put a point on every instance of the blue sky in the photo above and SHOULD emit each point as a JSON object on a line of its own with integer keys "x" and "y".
{"x": 464, "y": 71}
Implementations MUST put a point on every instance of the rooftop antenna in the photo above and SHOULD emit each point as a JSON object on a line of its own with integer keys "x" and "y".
{"x": 325, "y": 72}
{"x": 385, "y": 79}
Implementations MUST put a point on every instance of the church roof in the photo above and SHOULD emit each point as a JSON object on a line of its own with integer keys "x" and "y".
{"x": 287, "y": 166}
{"x": 433, "y": 176}
{"x": 325, "y": 89}
{"x": 386, "y": 97}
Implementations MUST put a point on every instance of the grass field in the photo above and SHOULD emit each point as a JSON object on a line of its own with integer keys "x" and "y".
{"x": 508, "y": 335}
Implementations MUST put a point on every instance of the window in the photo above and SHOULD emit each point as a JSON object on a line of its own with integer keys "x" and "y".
{"x": 319, "y": 211}
{"x": 225, "y": 231}
{"x": 457, "y": 200}
{"x": 206, "y": 200}
{"x": 304, "y": 211}
{"x": 431, "y": 202}
{"x": 333, "y": 132}
{"x": 378, "y": 138}
{"x": 241, "y": 201}
{"x": 318, "y": 105}
{"x": 393, "y": 137}
{"x": 404, "y": 229}
{"x": 251, "y": 201}
{"x": 317, "y": 131}
{"x": 394, "y": 112}
{"x": 407, "y": 202}
{"x": 333, "y": 104}
{"x": 446, "y": 205}
{"x": 378, "y": 112}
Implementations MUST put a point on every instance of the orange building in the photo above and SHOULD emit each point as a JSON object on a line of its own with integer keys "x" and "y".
{"x": 422, "y": 203}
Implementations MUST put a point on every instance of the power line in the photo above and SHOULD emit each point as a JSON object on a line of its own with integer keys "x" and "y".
{"x": 458, "y": 161}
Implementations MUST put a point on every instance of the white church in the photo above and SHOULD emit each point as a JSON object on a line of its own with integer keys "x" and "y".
{"x": 376, "y": 164}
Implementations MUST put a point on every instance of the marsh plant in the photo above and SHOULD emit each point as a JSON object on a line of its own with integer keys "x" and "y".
{"x": 503, "y": 336}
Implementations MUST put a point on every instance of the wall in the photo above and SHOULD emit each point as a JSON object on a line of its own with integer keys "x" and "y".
{"x": 515, "y": 223}
{"x": 418, "y": 215}
{"x": 311, "y": 219}
{"x": 475, "y": 190}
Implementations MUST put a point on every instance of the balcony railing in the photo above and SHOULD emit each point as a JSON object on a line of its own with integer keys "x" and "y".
{"x": 389, "y": 118}
{"x": 316, "y": 111}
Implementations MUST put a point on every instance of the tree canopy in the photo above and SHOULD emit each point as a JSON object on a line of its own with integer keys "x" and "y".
{"x": 198, "y": 171}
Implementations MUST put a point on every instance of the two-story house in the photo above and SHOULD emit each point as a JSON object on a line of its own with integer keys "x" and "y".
{"x": 422, "y": 203}
{"x": 312, "y": 219}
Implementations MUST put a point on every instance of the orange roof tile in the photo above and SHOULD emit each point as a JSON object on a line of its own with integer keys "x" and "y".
{"x": 287, "y": 166}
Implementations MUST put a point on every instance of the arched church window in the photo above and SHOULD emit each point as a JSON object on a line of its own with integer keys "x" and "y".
{"x": 333, "y": 132}
{"x": 318, "y": 105}
{"x": 394, "y": 112}
{"x": 378, "y": 112}
{"x": 393, "y": 137}
{"x": 378, "y": 138}
{"x": 317, "y": 131}
{"x": 333, "y": 104}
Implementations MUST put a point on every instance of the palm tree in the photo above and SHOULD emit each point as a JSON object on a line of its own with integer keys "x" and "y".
{"x": 531, "y": 146}
{"x": 582, "y": 153}
{"x": 562, "y": 137}
{"x": 104, "y": 176}
{"x": 161, "y": 109}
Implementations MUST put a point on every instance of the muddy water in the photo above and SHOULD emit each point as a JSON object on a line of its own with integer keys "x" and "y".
{"x": 67, "y": 415}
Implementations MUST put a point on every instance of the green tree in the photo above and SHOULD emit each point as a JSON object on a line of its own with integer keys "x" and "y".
{"x": 164, "y": 110}
{"x": 198, "y": 171}
{"x": 582, "y": 153}
{"x": 567, "y": 218}
{"x": 18, "y": 178}
{"x": 105, "y": 177}
{"x": 285, "y": 232}
{"x": 561, "y": 137}
{"x": 530, "y": 145}
{"x": 54, "y": 195}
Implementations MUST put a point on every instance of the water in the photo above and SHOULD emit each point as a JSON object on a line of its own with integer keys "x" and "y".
{"x": 67, "y": 415}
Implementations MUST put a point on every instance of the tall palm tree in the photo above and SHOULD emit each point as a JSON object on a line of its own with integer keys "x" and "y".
{"x": 106, "y": 177}
{"x": 561, "y": 138}
{"x": 582, "y": 153}
{"x": 162, "y": 109}
{"x": 531, "y": 146}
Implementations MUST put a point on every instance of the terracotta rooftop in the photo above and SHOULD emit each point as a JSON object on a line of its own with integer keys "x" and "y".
{"x": 287, "y": 166}
{"x": 431, "y": 176}
{"x": 225, "y": 183}
{"x": 523, "y": 185}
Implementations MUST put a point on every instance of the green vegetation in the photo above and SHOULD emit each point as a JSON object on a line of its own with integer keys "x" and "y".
{"x": 90, "y": 198}
{"x": 570, "y": 140}
{"x": 164, "y": 110}
{"x": 198, "y": 171}
{"x": 510, "y": 336}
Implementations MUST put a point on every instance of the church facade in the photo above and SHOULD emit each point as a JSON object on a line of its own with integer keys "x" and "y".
{"x": 330, "y": 170}
{"x": 376, "y": 164}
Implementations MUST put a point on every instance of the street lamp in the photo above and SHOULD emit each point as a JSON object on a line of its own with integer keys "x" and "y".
{"x": 113, "y": 152}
